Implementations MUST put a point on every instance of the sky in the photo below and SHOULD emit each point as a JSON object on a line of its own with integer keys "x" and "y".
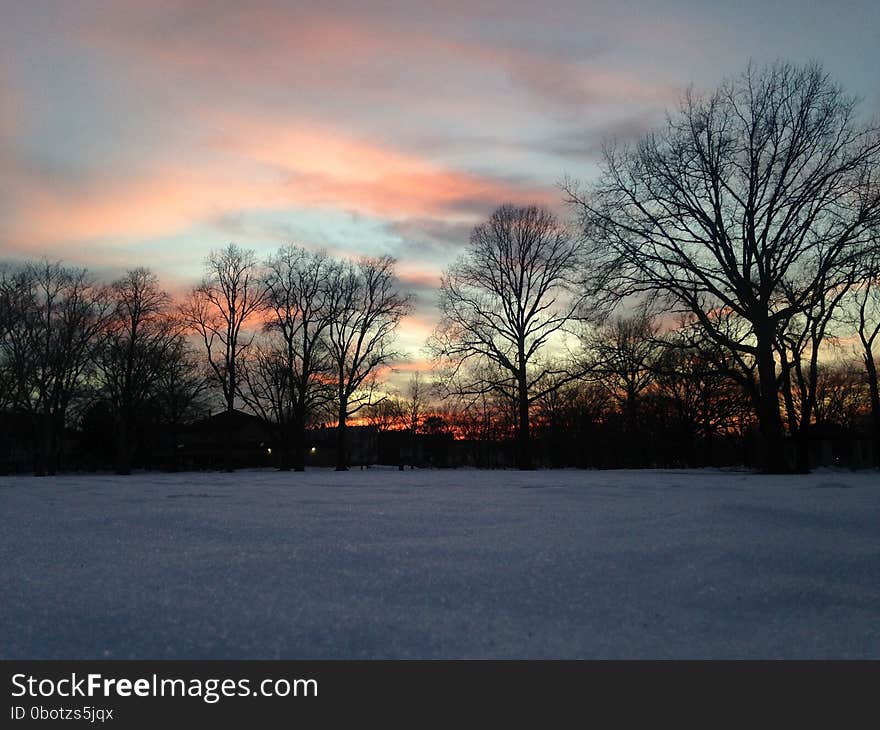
{"x": 148, "y": 133}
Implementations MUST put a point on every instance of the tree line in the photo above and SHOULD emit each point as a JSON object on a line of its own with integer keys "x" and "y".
{"x": 710, "y": 282}
{"x": 289, "y": 338}
{"x": 751, "y": 219}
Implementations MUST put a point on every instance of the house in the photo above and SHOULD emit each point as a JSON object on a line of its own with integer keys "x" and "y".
{"x": 247, "y": 439}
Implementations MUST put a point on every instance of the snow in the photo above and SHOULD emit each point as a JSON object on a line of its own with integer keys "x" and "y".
{"x": 441, "y": 564}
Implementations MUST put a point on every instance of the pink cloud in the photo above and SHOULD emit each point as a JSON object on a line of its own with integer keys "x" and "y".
{"x": 229, "y": 78}
{"x": 273, "y": 165}
{"x": 329, "y": 167}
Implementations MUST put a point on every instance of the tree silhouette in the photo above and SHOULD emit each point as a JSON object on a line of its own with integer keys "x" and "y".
{"x": 366, "y": 305}
{"x": 867, "y": 326}
{"x": 54, "y": 319}
{"x": 138, "y": 342}
{"x": 753, "y": 200}
{"x": 622, "y": 355}
{"x": 229, "y": 297}
{"x": 298, "y": 305}
{"x": 502, "y": 304}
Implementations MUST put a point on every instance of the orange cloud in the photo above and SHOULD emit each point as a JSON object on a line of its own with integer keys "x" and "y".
{"x": 232, "y": 76}
{"x": 249, "y": 87}
{"x": 274, "y": 165}
{"x": 148, "y": 204}
{"x": 329, "y": 167}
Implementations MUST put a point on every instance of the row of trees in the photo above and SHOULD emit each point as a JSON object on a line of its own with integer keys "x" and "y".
{"x": 755, "y": 213}
{"x": 750, "y": 222}
{"x": 752, "y": 218}
{"x": 291, "y": 338}
{"x": 649, "y": 395}
{"x": 326, "y": 331}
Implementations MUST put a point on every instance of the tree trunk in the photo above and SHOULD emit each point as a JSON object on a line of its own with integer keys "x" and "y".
{"x": 228, "y": 436}
{"x": 802, "y": 440}
{"x": 524, "y": 445}
{"x": 871, "y": 368}
{"x": 341, "y": 453}
{"x": 798, "y": 426}
{"x": 412, "y": 449}
{"x": 772, "y": 443}
{"x": 808, "y": 407}
{"x": 285, "y": 452}
{"x": 708, "y": 450}
{"x": 708, "y": 456}
{"x": 299, "y": 445}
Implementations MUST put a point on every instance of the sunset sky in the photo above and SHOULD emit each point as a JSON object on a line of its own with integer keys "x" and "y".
{"x": 148, "y": 132}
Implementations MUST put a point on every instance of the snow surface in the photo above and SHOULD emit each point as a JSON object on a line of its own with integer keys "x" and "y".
{"x": 441, "y": 564}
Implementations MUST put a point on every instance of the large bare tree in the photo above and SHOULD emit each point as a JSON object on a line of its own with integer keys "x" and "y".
{"x": 751, "y": 200}
{"x": 298, "y": 305}
{"x": 219, "y": 310}
{"x": 502, "y": 303}
{"x": 366, "y": 306}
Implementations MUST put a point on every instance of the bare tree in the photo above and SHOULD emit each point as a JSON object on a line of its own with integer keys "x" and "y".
{"x": 298, "y": 304}
{"x": 366, "y": 305}
{"x": 799, "y": 345}
{"x": 503, "y": 302}
{"x": 387, "y": 414}
{"x": 867, "y": 326}
{"x": 414, "y": 412}
{"x": 702, "y": 396}
{"x": 840, "y": 395}
{"x": 137, "y": 340}
{"x": 480, "y": 418}
{"x": 219, "y": 311}
{"x": 751, "y": 200}
{"x": 55, "y": 316}
{"x": 623, "y": 354}
{"x": 401, "y": 412}
{"x": 566, "y": 418}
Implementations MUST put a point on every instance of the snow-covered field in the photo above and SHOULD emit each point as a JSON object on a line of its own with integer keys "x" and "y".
{"x": 430, "y": 564}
